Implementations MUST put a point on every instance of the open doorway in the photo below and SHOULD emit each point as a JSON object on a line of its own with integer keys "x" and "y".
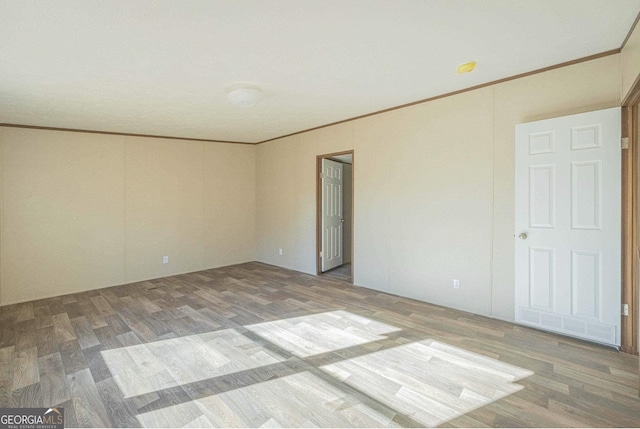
{"x": 334, "y": 215}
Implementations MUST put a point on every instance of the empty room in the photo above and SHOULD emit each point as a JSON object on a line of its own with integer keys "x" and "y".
{"x": 319, "y": 213}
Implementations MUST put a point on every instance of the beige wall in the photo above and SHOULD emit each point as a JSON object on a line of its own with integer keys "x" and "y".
{"x": 164, "y": 202}
{"x": 230, "y": 204}
{"x": 630, "y": 61}
{"x": 433, "y": 197}
{"x": 434, "y": 187}
{"x": 286, "y": 195}
{"x": 82, "y": 211}
{"x": 423, "y": 190}
{"x": 63, "y": 213}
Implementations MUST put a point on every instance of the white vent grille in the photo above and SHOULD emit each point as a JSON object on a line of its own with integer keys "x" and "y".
{"x": 594, "y": 331}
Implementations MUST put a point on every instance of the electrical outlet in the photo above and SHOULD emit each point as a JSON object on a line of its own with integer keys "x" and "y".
{"x": 625, "y": 309}
{"x": 165, "y": 259}
{"x": 280, "y": 252}
{"x": 456, "y": 284}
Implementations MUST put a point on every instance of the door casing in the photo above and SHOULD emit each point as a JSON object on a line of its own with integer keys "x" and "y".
{"x": 319, "y": 159}
{"x": 630, "y": 207}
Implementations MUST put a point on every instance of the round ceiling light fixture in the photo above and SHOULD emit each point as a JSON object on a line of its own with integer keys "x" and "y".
{"x": 244, "y": 96}
{"x": 466, "y": 67}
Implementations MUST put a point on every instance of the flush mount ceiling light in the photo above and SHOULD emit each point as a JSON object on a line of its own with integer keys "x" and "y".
{"x": 244, "y": 96}
{"x": 466, "y": 67}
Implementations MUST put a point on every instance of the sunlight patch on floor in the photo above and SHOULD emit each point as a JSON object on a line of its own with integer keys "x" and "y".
{"x": 299, "y": 400}
{"x": 429, "y": 381}
{"x": 145, "y": 368}
{"x": 321, "y": 333}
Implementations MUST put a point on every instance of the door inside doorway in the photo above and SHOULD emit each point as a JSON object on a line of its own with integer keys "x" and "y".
{"x": 568, "y": 225}
{"x": 335, "y": 215}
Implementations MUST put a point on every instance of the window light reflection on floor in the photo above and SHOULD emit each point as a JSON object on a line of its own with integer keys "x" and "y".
{"x": 145, "y": 368}
{"x": 428, "y": 382}
{"x": 298, "y": 400}
{"x": 323, "y": 332}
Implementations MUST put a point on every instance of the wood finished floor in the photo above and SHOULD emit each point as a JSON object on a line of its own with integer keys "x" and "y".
{"x": 343, "y": 272}
{"x": 255, "y": 345}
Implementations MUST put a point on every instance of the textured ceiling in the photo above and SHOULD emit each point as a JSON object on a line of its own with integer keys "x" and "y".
{"x": 163, "y": 67}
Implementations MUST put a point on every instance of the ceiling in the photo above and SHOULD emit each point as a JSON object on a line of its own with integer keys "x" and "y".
{"x": 347, "y": 158}
{"x": 163, "y": 67}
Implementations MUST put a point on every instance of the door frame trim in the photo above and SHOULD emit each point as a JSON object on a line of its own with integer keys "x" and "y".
{"x": 630, "y": 288}
{"x": 319, "y": 159}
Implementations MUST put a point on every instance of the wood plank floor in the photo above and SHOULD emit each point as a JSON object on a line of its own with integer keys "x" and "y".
{"x": 255, "y": 345}
{"x": 343, "y": 272}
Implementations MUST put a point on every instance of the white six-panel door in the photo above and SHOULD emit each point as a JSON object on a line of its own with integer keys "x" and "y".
{"x": 568, "y": 233}
{"x": 332, "y": 220}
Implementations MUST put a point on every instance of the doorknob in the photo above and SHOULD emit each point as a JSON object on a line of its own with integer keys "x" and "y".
{"x": 523, "y": 235}
{"x": 341, "y": 220}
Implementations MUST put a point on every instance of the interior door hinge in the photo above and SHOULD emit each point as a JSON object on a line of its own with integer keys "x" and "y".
{"x": 321, "y": 255}
{"x": 624, "y": 143}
